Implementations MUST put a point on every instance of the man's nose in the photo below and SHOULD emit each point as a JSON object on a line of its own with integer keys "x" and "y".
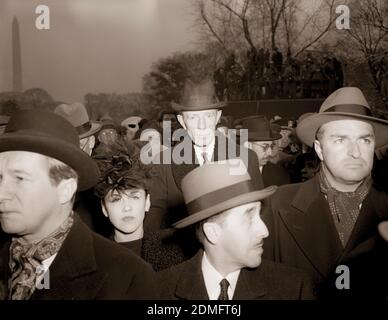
{"x": 354, "y": 150}
{"x": 201, "y": 123}
{"x": 261, "y": 229}
{"x": 5, "y": 190}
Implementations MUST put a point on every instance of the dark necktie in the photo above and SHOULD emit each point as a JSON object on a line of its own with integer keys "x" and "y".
{"x": 224, "y": 284}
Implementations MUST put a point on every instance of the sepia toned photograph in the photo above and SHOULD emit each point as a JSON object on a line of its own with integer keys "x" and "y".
{"x": 194, "y": 150}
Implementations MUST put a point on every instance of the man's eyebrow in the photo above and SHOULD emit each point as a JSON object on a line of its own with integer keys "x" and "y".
{"x": 338, "y": 135}
{"x": 20, "y": 171}
{"x": 367, "y": 135}
{"x": 250, "y": 211}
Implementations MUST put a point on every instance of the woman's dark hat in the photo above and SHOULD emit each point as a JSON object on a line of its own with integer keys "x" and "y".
{"x": 51, "y": 135}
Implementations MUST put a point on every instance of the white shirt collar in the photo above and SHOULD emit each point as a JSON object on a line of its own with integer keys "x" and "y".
{"x": 213, "y": 278}
{"x": 209, "y": 151}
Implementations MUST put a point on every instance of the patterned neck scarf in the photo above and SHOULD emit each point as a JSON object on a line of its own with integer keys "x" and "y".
{"x": 344, "y": 206}
{"x": 26, "y": 260}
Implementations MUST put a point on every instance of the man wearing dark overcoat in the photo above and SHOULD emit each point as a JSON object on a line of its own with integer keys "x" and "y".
{"x": 50, "y": 253}
{"x": 328, "y": 224}
{"x": 198, "y": 113}
{"x": 224, "y": 208}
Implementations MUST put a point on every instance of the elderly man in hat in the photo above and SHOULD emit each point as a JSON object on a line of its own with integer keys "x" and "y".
{"x": 51, "y": 254}
{"x": 225, "y": 211}
{"x": 262, "y": 139}
{"x": 198, "y": 113}
{"x": 328, "y": 224}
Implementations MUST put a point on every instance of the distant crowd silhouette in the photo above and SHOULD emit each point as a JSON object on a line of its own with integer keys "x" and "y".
{"x": 270, "y": 76}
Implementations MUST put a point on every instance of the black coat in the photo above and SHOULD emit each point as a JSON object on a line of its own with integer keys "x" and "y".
{"x": 89, "y": 267}
{"x": 302, "y": 234}
{"x": 275, "y": 174}
{"x": 270, "y": 281}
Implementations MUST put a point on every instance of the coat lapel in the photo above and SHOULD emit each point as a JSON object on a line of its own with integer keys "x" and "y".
{"x": 4, "y": 269}
{"x": 250, "y": 285}
{"x": 73, "y": 273}
{"x": 308, "y": 219}
{"x": 364, "y": 236}
{"x": 191, "y": 285}
{"x": 179, "y": 170}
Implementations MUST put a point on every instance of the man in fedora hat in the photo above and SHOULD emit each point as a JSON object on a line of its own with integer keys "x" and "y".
{"x": 198, "y": 112}
{"x": 328, "y": 224}
{"x": 51, "y": 254}
{"x": 77, "y": 115}
{"x": 262, "y": 139}
{"x": 225, "y": 210}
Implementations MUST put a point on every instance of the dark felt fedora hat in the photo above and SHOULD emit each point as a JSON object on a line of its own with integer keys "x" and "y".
{"x": 260, "y": 129}
{"x": 51, "y": 135}
{"x": 197, "y": 97}
{"x": 77, "y": 115}
{"x": 346, "y": 103}
{"x": 213, "y": 188}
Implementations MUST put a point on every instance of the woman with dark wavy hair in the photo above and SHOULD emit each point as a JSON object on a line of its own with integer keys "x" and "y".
{"x": 123, "y": 189}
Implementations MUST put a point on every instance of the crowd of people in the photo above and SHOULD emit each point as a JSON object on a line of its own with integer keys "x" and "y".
{"x": 271, "y": 76}
{"x": 195, "y": 205}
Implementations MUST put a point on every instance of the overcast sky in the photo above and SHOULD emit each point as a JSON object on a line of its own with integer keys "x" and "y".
{"x": 93, "y": 45}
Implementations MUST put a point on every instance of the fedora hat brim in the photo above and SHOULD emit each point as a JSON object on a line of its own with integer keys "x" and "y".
{"x": 179, "y": 108}
{"x": 69, "y": 154}
{"x": 257, "y": 137}
{"x": 307, "y": 128}
{"x": 225, "y": 205}
{"x": 94, "y": 128}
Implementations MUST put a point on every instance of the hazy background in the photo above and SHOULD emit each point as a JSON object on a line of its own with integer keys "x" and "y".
{"x": 93, "y": 45}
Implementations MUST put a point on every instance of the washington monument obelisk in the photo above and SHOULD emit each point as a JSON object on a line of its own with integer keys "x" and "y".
{"x": 16, "y": 57}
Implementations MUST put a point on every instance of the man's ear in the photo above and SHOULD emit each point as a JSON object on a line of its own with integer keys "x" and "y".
{"x": 318, "y": 149}
{"x": 148, "y": 203}
{"x": 66, "y": 190}
{"x": 212, "y": 232}
{"x": 181, "y": 121}
{"x": 104, "y": 211}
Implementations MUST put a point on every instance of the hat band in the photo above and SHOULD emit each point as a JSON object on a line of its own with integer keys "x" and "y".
{"x": 213, "y": 198}
{"x": 351, "y": 108}
{"x": 84, "y": 128}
